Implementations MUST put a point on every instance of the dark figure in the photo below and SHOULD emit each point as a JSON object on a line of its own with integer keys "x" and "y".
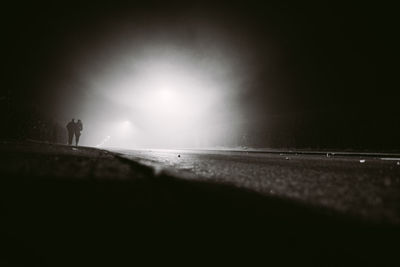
{"x": 71, "y": 130}
{"x": 78, "y": 129}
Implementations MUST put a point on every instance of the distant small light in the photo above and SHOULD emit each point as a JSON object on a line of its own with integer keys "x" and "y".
{"x": 104, "y": 141}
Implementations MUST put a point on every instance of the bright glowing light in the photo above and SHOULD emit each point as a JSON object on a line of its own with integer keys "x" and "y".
{"x": 105, "y": 140}
{"x": 166, "y": 95}
{"x": 122, "y": 133}
{"x": 123, "y": 128}
{"x": 125, "y": 124}
{"x": 166, "y": 100}
{"x": 170, "y": 100}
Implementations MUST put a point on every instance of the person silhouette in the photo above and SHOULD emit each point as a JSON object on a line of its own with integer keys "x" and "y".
{"x": 71, "y": 129}
{"x": 78, "y": 129}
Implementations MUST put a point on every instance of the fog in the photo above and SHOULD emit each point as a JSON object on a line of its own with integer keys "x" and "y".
{"x": 203, "y": 74}
{"x": 168, "y": 87}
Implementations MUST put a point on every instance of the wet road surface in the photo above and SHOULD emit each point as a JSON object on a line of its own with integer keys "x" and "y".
{"x": 365, "y": 186}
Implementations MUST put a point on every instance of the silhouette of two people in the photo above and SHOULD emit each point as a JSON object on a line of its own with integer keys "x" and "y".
{"x": 74, "y": 128}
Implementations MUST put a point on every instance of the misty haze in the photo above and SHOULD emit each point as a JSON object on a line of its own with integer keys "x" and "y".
{"x": 199, "y": 132}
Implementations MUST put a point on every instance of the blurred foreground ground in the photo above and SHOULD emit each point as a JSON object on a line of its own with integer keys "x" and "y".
{"x": 65, "y": 206}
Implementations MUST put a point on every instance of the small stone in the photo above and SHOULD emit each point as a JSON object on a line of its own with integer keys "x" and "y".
{"x": 179, "y": 156}
{"x": 362, "y": 160}
{"x": 287, "y": 158}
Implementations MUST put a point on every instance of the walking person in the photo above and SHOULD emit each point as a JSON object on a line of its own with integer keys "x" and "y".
{"x": 71, "y": 130}
{"x": 78, "y": 129}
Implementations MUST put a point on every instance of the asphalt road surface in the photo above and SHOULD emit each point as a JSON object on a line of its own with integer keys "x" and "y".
{"x": 361, "y": 185}
{"x": 81, "y": 206}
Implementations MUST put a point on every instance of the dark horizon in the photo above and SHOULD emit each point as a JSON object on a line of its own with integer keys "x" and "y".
{"x": 281, "y": 74}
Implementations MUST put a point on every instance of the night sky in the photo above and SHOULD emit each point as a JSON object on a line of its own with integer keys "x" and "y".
{"x": 280, "y": 73}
